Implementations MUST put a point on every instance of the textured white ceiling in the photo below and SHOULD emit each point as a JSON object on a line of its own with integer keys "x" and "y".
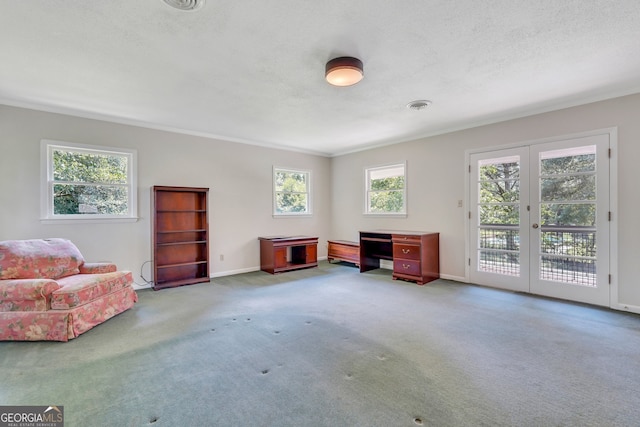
{"x": 253, "y": 70}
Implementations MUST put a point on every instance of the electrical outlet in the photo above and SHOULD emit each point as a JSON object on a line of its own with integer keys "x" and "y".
{"x": 221, "y": 257}
{"x": 459, "y": 203}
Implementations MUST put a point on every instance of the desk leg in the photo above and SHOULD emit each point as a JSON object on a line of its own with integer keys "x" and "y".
{"x": 367, "y": 262}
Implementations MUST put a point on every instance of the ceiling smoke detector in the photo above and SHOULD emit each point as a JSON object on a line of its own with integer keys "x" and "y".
{"x": 185, "y": 4}
{"x": 418, "y": 105}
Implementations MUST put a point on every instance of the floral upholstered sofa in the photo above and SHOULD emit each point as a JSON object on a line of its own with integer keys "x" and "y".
{"x": 48, "y": 292}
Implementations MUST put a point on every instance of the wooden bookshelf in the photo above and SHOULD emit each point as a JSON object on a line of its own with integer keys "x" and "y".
{"x": 180, "y": 236}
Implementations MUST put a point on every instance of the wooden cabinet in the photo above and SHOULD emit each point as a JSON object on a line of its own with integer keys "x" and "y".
{"x": 282, "y": 253}
{"x": 180, "y": 236}
{"x": 416, "y": 256}
{"x": 343, "y": 250}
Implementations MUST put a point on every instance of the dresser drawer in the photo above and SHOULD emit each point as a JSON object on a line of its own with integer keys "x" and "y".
{"x": 406, "y": 267}
{"x": 406, "y": 251}
{"x": 408, "y": 238}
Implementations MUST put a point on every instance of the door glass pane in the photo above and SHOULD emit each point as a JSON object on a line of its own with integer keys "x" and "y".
{"x": 574, "y": 243}
{"x": 568, "y": 233}
{"x": 503, "y": 168}
{"x": 499, "y": 239}
{"x": 499, "y": 191}
{"x": 568, "y": 270}
{"x": 579, "y": 215}
{"x": 499, "y": 215}
{"x": 571, "y": 160}
{"x": 500, "y": 262}
{"x": 568, "y": 187}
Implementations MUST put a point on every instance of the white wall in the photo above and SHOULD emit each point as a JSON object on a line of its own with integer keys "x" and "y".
{"x": 436, "y": 178}
{"x": 240, "y": 180}
{"x": 239, "y": 177}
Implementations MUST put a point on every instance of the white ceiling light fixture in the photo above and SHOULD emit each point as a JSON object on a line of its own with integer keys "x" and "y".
{"x": 419, "y": 104}
{"x": 185, "y": 4}
{"x": 344, "y": 71}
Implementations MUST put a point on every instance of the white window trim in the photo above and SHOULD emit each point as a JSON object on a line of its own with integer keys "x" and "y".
{"x": 367, "y": 171}
{"x": 46, "y": 182}
{"x": 277, "y": 214}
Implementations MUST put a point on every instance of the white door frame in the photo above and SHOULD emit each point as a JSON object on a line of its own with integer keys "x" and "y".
{"x": 613, "y": 199}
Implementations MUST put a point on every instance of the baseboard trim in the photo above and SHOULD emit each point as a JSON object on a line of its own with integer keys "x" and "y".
{"x": 626, "y": 307}
{"x": 384, "y": 264}
{"x": 453, "y": 278}
{"x": 233, "y": 272}
{"x": 245, "y": 270}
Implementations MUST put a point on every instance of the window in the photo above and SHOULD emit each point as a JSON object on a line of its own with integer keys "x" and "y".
{"x": 386, "y": 190}
{"x": 82, "y": 182}
{"x": 291, "y": 192}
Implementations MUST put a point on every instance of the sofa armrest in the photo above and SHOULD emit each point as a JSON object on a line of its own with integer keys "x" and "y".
{"x": 26, "y": 290}
{"x": 97, "y": 268}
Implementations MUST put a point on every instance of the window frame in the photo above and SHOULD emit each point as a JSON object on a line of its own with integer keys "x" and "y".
{"x": 306, "y": 172}
{"x": 367, "y": 190}
{"x": 47, "y": 215}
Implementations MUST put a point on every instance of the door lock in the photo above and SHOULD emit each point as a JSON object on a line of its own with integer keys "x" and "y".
{"x": 535, "y": 225}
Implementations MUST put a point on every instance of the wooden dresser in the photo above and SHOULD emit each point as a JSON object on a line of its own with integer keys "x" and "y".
{"x": 415, "y": 254}
{"x": 416, "y": 257}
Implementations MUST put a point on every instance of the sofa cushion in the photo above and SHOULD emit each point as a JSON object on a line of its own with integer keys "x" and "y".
{"x": 26, "y": 294}
{"x": 83, "y": 288}
{"x": 39, "y": 259}
{"x": 97, "y": 267}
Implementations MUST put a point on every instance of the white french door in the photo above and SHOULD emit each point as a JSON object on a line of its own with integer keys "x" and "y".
{"x": 539, "y": 219}
{"x": 499, "y": 217}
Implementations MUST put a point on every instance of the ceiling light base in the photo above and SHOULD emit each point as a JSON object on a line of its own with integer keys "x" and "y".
{"x": 344, "y": 71}
{"x": 188, "y": 5}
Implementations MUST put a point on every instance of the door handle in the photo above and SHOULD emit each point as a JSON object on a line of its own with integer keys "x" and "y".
{"x": 535, "y": 225}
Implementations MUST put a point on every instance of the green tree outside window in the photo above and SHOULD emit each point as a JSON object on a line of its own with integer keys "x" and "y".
{"x": 88, "y": 182}
{"x": 386, "y": 190}
{"x": 291, "y": 192}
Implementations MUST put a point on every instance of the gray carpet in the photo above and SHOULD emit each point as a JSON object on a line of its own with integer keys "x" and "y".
{"x": 332, "y": 347}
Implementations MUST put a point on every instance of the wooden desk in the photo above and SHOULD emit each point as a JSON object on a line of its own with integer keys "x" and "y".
{"x": 415, "y": 254}
{"x": 285, "y": 253}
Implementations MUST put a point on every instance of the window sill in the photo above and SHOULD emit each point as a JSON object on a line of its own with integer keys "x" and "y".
{"x": 306, "y": 215}
{"x": 87, "y": 220}
{"x": 385, "y": 215}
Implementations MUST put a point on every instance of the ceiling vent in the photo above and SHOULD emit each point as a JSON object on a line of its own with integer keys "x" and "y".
{"x": 185, "y": 4}
{"x": 418, "y": 105}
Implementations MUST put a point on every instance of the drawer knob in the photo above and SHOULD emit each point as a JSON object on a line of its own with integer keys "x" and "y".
{"x": 406, "y": 251}
{"x": 406, "y": 266}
